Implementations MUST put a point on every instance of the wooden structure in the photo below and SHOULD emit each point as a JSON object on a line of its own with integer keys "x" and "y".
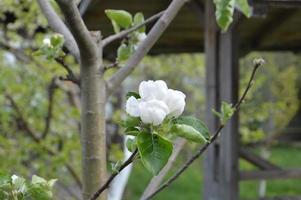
{"x": 275, "y": 26}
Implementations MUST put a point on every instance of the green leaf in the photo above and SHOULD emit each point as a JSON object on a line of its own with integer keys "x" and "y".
{"x": 133, "y": 94}
{"x": 224, "y": 10}
{"x": 139, "y": 19}
{"x": 120, "y": 17}
{"x": 195, "y": 123}
{"x": 154, "y": 151}
{"x": 132, "y": 131}
{"x": 38, "y": 180}
{"x": 244, "y": 7}
{"x": 123, "y": 53}
{"x": 131, "y": 144}
{"x": 188, "y": 132}
{"x": 130, "y": 122}
{"x": 226, "y": 113}
{"x": 57, "y": 40}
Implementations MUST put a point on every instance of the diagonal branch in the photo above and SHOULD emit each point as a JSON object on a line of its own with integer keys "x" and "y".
{"x": 124, "y": 33}
{"x": 70, "y": 76}
{"x": 111, "y": 178}
{"x": 56, "y": 23}
{"x": 146, "y": 45}
{"x": 87, "y": 46}
{"x": 51, "y": 90}
{"x": 257, "y": 64}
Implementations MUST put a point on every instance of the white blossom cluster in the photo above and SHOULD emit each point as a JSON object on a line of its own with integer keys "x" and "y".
{"x": 156, "y": 102}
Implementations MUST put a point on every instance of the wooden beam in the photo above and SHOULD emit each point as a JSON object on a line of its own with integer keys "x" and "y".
{"x": 271, "y": 174}
{"x": 257, "y": 160}
{"x": 277, "y": 3}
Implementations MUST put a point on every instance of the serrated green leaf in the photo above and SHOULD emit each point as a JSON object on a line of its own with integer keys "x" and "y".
{"x": 244, "y": 7}
{"x": 197, "y": 124}
{"x": 139, "y": 19}
{"x": 224, "y": 10}
{"x": 121, "y": 18}
{"x": 133, "y": 94}
{"x": 188, "y": 132}
{"x": 154, "y": 151}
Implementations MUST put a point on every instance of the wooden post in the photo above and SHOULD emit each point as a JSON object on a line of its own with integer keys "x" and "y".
{"x": 211, "y": 186}
{"x": 229, "y": 140}
{"x": 221, "y": 160}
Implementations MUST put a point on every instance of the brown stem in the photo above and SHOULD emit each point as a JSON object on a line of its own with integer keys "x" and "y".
{"x": 113, "y": 175}
{"x": 71, "y": 76}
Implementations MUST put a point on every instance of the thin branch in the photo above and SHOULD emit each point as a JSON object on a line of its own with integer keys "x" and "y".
{"x": 111, "y": 66}
{"x": 124, "y": 33}
{"x": 51, "y": 89}
{"x": 87, "y": 47}
{"x": 257, "y": 64}
{"x": 156, "y": 180}
{"x": 23, "y": 122}
{"x": 113, "y": 175}
{"x": 56, "y": 23}
{"x": 154, "y": 34}
{"x": 71, "y": 76}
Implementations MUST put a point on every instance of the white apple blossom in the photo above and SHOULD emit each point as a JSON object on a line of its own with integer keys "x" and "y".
{"x": 47, "y": 42}
{"x": 153, "y": 111}
{"x": 153, "y": 90}
{"x": 132, "y": 107}
{"x": 157, "y": 102}
{"x": 175, "y": 101}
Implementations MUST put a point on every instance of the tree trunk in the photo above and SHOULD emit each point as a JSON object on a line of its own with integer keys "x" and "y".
{"x": 93, "y": 139}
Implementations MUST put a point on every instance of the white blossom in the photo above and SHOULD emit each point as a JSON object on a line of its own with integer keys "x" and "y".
{"x": 47, "y": 42}
{"x": 132, "y": 107}
{"x": 153, "y": 111}
{"x": 175, "y": 100}
{"x": 141, "y": 37}
{"x": 156, "y": 102}
{"x": 153, "y": 90}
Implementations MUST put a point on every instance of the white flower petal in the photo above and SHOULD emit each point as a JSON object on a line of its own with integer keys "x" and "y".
{"x": 132, "y": 107}
{"x": 175, "y": 100}
{"x": 153, "y": 90}
{"x": 153, "y": 111}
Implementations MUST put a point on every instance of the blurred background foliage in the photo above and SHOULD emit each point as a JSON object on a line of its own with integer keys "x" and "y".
{"x": 39, "y": 113}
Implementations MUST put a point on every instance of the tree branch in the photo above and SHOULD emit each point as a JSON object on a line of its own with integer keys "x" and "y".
{"x": 146, "y": 45}
{"x": 51, "y": 90}
{"x": 71, "y": 76}
{"x": 124, "y": 33}
{"x": 257, "y": 64}
{"x": 113, "y": 175}
{"x": 56, "y": 23}
{"x": 87, "y": 46}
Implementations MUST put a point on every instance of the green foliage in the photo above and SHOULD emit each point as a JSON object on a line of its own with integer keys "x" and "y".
{"x": 224, "y": 10}
{"x": 188, "y": 132}
{"x": 52, "y": 47}
{"x": 134, "y": 94}
{"x": 154, "y": 151}
{"x": 195, "y": 123}
{"x": 124, "y": 52}
{"x": 244, "y": 7}
{"x": 119, "y": 19}
{"x": 226, "y": 112}
{"x": 139, "y": 19}
{"x": 17, "y": 188}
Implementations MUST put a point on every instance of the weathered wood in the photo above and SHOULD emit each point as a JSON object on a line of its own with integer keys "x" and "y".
{"x": 256, "y": 160}
{"x": 229, "y": 143}
{"x": 271, "y": 174}
{"x": 212, "y": 98}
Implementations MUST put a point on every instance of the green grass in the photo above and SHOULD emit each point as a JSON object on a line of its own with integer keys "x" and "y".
{"x": 189, "y": 185}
